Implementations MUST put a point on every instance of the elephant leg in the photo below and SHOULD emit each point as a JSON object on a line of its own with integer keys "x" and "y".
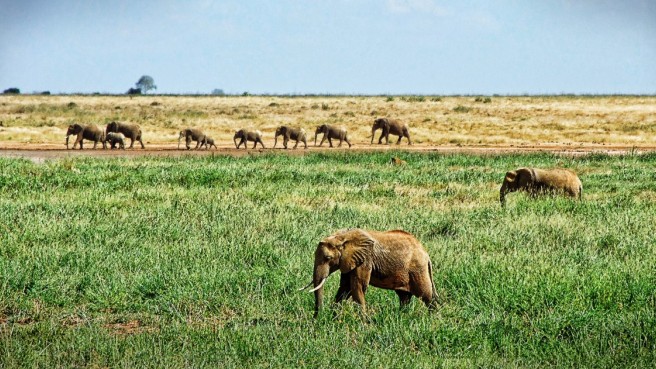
{"x": 141, "y": 142}
{"x": 422, "y": 287}
{"x": 347, "y": 141}
{"x": 80, "y": 144}
{"x": 322, "y": 140}
{"x": 95, "y": 143}
{"x": 330, "y": 142}
{"x": 131, "y": 142}
{"x": 340, "y": 142}
{"x": 404, "y": 298}
{"x": 295, "y": 145}
{"x": 187, "y": 142}
{"x": 198, "y": 144}
{"x": 359, "y": 279}
{"x": 255, "y": 144}
{"x": 284, "y": 142}
{"x": 344, "y": 290}
{"x": 399, "y": 140}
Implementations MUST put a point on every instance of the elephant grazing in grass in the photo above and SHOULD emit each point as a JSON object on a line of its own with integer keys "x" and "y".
{"x": 91, "y": 132}
{"x": 393, "y": 260}
{"x": 536, "y": 181}
{"x": 245, "y": 135}
{"x": 192, "y": 134}
{"x": 331, "y": 132}
{"x": 390, "y": 126}
{"x": 294, "y": 133}
{"x": 131, "y": 131}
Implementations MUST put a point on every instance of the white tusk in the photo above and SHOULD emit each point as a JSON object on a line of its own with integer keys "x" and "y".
{"x": 319, "y": 286}
{"x": 308, "y": 285}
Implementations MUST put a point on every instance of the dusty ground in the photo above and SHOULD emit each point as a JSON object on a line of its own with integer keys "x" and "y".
{"x": 41, "y": 152}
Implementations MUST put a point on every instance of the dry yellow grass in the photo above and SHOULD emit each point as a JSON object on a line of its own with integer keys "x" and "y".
{"x": 561, "y": 120}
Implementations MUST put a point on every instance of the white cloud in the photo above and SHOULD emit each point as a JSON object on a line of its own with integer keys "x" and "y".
{"x": 420, "y": 6}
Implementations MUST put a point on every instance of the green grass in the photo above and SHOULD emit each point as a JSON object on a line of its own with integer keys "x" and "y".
{"x": 203, "y": 257}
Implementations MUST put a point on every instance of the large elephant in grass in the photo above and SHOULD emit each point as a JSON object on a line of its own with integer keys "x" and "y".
{"x": 331, "y": 132}
{"x": 90, "y": 132}
{"x": 536, "y": 181}
{"x": 390, "y": 126}
{"x": 393, "y": 260}
{"x": 293, "y": 133}
{"x": 245, "y": 135}
{"x": 192, "y": 134}
{"x": 131, "y": 131}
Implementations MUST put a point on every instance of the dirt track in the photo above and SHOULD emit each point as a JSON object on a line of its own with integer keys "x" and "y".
{"x": 40, "y": 152}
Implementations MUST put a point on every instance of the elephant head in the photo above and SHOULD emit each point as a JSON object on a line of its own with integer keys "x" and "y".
{"x": 183, "y": 133}
{"x": 380, "y": 123}
{"x": 73, "y": 129}
{"x": 519, "y": 179}
{"x": 279, "y": 131}
{"x": 321, "y": 129}
{"x": 344, "y": 252}
{"x": 111, "y": 127}
{"x": 238, "y": 135}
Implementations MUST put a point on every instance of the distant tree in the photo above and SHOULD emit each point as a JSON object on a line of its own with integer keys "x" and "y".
{"x": 11, "y": 90}
{"x": 218, "y": 91}
{"x": 145, "y": 84}
{"x": 134, "y": 91}
{"x": 45, "y": 92}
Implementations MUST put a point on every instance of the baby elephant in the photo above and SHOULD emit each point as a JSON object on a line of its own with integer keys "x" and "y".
{"x": 114, "y": 138}
{"x": 536, "y": 181}
{"x": 208, "y": 143}
{"x": 393, "y": 260}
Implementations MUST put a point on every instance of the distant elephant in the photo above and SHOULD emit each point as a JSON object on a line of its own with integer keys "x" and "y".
{"x": 208, "y": 143}
{"x": 115, "y": 138}
{"x": 536, "y": 181}
{"x": 131, "y": 131}
{"x": 192, "y": 134}
{"x": 245, "y": 135}
{"x": 390, "y": 126}
{"x": 393, "y": 260}
{"x": 331, "y": 132}
{"x": 294, "y": 133}
{"x": 91, "y": 132}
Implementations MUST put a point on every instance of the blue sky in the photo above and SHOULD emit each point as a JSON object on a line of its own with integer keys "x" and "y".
{"x": 338, "y": 46}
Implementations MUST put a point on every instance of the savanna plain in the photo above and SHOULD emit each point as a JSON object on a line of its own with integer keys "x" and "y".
{"x": 196, "y": 261}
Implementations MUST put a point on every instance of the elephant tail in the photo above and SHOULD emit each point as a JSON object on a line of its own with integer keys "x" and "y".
{"x": 430, "y": 274}
{"x": 580, "y": 192}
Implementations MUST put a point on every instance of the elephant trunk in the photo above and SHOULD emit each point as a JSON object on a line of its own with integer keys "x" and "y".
{"x": 67, "y": 136}
{"x": 234, "y": 139}
{"x": 179, "y": 137}
{"x": 275, "y": 141}
{"x": 315, "y": 138}
{"x": 373, "y": 132}
{"x": 502, "y": 194}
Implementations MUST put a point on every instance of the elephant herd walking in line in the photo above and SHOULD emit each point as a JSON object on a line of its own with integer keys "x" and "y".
{"x": 115, "y": 134}
{"x": 393, "y": 260}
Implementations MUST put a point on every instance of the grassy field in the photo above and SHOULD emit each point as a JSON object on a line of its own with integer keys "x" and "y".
{"x": 447, "y": 120}
{"x": 196, "y": 262}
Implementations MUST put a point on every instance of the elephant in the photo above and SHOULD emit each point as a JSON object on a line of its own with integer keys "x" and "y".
{"x": 192, "y": 134}
{"x": 245, "y": 135}
{"x": 296, "y": 134}
{"x": 536, "y": 181}
{"x": 398, "y": 161}
{"x": 331, "y": 132}
{"x": 131, "y": 131}
{"x": 208, "y": 143}
{"x": 115, "y": 138}
{"x": 91, "y": 132}
{"x": 393, "y": 260}
{"x": 390, "y": 126}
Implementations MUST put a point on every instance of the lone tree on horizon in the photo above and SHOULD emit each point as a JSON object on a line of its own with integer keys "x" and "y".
{"x": 146, "y": 83}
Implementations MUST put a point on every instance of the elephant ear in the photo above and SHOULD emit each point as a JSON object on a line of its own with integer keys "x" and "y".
{"x": 357, "y": 249}
{"x": 525, "y": 177}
